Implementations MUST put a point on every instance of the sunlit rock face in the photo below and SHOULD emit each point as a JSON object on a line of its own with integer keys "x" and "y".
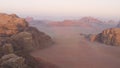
{"x": 11, "y": 24}
{"x": 18, "y": 30}
{"x": 109, "y": 36}
{"x": 17, "y": 40}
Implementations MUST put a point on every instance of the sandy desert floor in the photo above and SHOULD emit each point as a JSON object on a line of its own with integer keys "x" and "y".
{"x": 73, "y": 51}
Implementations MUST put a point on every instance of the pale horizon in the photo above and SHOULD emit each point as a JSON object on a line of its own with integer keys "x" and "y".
{"x": 60, "y": 9}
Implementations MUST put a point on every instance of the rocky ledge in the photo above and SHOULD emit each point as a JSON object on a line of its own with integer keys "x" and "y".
{"x": 17, "y": 40}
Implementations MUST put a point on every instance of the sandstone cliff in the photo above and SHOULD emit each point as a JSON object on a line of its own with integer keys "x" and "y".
{"x": 109, "y": 36}
{"x": 17, "y": 39}
{"x": 11, "y": 24}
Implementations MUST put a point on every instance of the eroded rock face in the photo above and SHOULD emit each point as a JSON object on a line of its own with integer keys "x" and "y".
{"x": 12, "y": 61}
{"x": 30, "y": 39}
{"x": 23, "y": 39}
{"x": 39, "y": 38}
{"x": 11, "y": 24}
{"x": 17, "y": 39}
{"x": 109, "y": 36}
{"x": 16, "y": 31}
{"x": 7, "y": 49}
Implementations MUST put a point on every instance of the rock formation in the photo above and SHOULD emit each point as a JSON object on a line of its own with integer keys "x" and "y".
{"x": 84, "y": 22}
{"x": 17, "y": 40}
{"x": 11, "y": 24}
{"x": 7, "y": 49}
{"x": 13, "y": 61}
{"x": 109, "y": 36}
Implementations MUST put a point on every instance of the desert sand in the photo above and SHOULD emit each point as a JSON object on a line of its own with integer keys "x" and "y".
{"x": 73, "y": 51}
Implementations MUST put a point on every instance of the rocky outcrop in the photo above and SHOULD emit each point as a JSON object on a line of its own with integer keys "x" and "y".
{"x": 23, "y": 39}
{"x": 39, "y": 38}
{"x": 109, "y": 36}
{"x": 17, "y": 40}
{"x": 16, "y": 30}
{"x": 11, "y": 24}
{"x": 13, "y": 61}
{"x": 12, "y": 58}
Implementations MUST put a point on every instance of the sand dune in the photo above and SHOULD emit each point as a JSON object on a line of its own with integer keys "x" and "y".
{"x": 73, "y": 51}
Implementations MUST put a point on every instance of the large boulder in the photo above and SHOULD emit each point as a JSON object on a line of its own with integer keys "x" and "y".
{"x": 13, "y": 58}
{"x": 23, "y": 41}
{"x": 12, "y": 61}
{"x": 11, "y": 24}
{"x": 109, "y": 36}
{"x": 39, "y": 38}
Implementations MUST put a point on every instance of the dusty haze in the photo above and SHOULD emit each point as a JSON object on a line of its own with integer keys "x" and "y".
{"x": 73, "y": 51}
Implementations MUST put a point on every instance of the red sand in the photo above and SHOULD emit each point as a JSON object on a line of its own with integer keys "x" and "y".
{"x": 72, "y": 51}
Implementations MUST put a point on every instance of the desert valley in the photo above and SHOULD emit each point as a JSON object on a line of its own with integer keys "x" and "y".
{"x": 76, "y": 43}
{"x": 84, "y": 43}
{"x": 59, "y": 33}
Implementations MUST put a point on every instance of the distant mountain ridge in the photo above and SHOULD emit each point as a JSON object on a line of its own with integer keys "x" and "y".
{"x": 86, "y": 22}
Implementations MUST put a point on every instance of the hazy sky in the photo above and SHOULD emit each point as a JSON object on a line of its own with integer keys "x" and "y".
{"x": 68, "y": 8}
